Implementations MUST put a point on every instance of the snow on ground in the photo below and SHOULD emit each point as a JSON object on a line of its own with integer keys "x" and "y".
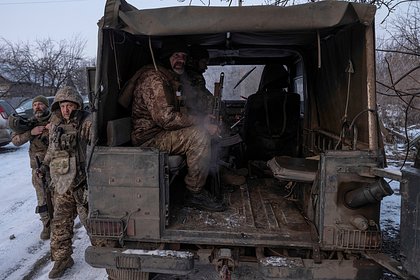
{"x": 391, "y": 205}
{"x": 24, "y": 256}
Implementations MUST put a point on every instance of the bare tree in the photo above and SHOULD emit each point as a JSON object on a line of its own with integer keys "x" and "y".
{"x": 398, "y": 72}
{"x": 45, "y": 62}
{"x": 398, "y": 75}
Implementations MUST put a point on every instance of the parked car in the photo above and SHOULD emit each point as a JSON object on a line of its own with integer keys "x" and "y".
{"x": 5, "y": 133}
{"x": 25, "y": 108}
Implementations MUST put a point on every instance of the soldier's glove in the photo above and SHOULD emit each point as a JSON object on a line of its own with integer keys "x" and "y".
{"x": 42, "y": 171}
{"x": 85, "y": 133}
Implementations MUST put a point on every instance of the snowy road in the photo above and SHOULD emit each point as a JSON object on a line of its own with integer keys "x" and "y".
{"x": 22, "y": 254}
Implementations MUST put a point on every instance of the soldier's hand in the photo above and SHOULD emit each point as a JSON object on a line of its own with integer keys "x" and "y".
{"x": 37, "y": 130}
{"x": 85, "y": 133}
{"x": 212, "y": 129}
{"x": 211, "y": 126}
{"x": 210, "y": 119}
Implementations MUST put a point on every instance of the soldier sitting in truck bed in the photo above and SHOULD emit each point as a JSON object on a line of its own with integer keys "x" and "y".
{"x": 198, "y": 99}
{"x": 157, "y": 122}
{"x": 200, "y": 102}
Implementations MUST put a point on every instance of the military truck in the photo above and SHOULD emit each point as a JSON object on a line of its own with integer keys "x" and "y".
{"x": 310, "y": 149}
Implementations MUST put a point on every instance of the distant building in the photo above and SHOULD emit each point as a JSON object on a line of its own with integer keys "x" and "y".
{"x": 16, "y": 92}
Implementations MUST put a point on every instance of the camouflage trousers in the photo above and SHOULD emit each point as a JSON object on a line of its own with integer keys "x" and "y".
{"x": 66, "y": 208}
{"x": 40, "y": 196}
{"x": 194, "y": 143}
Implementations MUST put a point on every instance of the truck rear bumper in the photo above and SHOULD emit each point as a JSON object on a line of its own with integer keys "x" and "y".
{"x": 182, "y": 263}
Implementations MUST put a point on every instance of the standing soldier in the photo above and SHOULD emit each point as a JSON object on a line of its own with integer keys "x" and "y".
{"x": 66, "y": 157}
{"x": 35, "y": 132}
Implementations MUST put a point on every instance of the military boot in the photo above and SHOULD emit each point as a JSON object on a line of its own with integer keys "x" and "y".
{"x": 230, "y": 177}
{"x": 203, "y": 201}
{"x": 60, "y": 267}
{"x": 45, "y": 233}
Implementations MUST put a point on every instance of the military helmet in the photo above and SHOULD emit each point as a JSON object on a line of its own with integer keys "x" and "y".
{"x": 67, "y": 93}
{"x": 172, "y": 46}
{"x": 20, "y": 124}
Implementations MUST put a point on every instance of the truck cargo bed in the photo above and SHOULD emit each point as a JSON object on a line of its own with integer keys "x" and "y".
{"x": 257, "y": 213}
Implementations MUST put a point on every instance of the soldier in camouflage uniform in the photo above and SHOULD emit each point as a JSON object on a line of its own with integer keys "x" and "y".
{"x": 198, "y": 99}
{"x": 158, "y": 122}
{"x": 66, "y": 157}
{"x": 38, "y": 139}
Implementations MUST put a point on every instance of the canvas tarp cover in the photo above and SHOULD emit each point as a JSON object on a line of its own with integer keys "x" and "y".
{"x": 189, "y": 20}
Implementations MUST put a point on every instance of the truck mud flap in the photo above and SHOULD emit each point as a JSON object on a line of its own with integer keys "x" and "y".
{"x": 158, "y": 261}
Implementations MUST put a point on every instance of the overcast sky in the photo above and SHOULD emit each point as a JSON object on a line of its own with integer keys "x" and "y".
{"x": 27, "y": 20}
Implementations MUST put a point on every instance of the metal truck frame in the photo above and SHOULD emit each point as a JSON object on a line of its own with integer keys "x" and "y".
{"x": 312, "y": 211}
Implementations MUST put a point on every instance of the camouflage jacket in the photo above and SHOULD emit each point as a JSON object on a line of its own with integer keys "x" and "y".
{"x": 67, "y": 141}
{"x": 38, "y": 144}
{"x": 155, "y": 106}
{"x": 198, "y": 99}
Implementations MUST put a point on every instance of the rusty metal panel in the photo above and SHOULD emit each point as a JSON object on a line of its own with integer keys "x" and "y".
{"x": 342, "y": 172}
{"x": 131, "y": 177}
{"x": 410, "y": 220}
{"x": 124, "y": 167}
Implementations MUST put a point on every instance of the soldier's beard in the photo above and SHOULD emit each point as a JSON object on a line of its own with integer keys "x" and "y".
{"x": 178, "y": 68}
{"x": 179, "y": 71}
{"x": 39, "y": 114}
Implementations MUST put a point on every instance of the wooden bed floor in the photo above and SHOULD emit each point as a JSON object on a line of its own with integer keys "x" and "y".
{"x": 257, "y": 207}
